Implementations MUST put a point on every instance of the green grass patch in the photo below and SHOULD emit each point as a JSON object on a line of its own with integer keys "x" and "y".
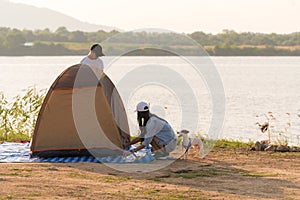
{"x": 78, "y": 175}
{"x": 132, "y": 188}
{"x": 214, "y": 172}
{"x": 118, "y": 195}
{"x": 15, "y": 137}
{"x": 285, "y": 154}
{"x": 186, "y": 195}
{"x": 160, "y": 178}
{"x": 254, "y": 174}
{"x": 177, "y": 196}
{"x": 21, "y": 169}
{"x": 190, "y": 174}
{"x": 123, "y": 178}
{"x": 6, "y": 197}
{"x": 155, "y": 179}
{"x": 151, "y": 192}
{"x": 12, "y": 174}
{"x": 232, "y": 144}
{"x": 258, "y": 175}
{"x": 34, "y": 195}
{"x": 111, "y": 179}
{"x": 21, "y": 172}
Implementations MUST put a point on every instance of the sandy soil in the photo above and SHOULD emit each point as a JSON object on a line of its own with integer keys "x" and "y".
{"x": 223, "y": 174}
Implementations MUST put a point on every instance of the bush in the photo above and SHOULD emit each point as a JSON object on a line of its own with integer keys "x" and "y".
{"x": 18, "y": 118}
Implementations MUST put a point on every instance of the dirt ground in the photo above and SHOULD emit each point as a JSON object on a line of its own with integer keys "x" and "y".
{"x": 222, "y": 174}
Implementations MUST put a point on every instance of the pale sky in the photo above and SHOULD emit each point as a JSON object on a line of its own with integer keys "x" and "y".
{"x": 280, "y": 16}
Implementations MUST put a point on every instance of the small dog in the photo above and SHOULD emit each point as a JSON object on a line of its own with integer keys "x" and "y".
{"x": 187, "y": 143}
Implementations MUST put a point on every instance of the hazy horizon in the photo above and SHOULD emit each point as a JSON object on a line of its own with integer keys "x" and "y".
{"x": 212, "y": 16}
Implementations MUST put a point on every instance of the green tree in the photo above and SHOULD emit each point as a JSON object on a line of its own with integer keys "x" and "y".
{"x": 29, "y": 35}
{"x": 14, "y": 39}
{"x": 61, "y": 34}
{"x": 44, "y": 35}
{"x": 77, "y": 36}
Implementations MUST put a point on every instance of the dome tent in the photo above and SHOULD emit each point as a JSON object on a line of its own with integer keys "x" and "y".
{"x": 61, "y": 130}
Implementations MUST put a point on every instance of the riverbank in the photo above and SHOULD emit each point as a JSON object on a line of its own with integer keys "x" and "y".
{"x": 225, "y": 173}
{"x": 80, "y": 49}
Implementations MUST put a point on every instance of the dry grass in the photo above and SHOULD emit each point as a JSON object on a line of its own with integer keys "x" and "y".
{"x": 223, "y": 174}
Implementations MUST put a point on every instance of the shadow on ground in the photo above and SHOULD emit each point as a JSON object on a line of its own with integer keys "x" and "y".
{"x": 208, "y": 175}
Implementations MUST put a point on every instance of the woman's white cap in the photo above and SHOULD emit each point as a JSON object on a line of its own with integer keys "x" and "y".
{"x": 142, "y": 106}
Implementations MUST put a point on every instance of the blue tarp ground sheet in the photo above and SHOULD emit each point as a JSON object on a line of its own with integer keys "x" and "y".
{"x": 19, "y": 152}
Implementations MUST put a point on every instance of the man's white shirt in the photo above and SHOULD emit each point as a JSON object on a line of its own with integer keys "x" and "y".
{"x": 98, "y": 63}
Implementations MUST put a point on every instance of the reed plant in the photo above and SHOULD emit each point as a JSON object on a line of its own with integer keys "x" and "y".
{"x": 18, "y": 117}
{"x": 277, "y": 134}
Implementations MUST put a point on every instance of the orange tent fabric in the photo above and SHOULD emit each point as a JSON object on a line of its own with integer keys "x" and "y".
{"x": 82, "y": 114}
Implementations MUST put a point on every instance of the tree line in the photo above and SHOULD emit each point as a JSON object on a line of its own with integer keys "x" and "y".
{"x": 228, "y": 43}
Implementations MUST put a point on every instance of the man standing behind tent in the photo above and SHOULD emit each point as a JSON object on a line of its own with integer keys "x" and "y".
{"x": 92, "y": 59}
{"x": 155, "y": 131}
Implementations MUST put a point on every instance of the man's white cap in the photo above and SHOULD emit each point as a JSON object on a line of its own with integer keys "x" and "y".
{"x": 142, "y": 106}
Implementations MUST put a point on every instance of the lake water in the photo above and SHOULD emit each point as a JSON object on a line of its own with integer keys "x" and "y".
{"x": 252, "y": 85}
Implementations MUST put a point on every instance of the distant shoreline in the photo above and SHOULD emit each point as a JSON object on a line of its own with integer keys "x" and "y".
{"x": 216, "y": 51}
{"x": 62, "y": 42}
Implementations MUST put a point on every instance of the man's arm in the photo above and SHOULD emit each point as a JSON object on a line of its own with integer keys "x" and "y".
{"x": 136, "y": 140}
{"x": 138, "y": 148}
{"x": 145, "y": 143}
